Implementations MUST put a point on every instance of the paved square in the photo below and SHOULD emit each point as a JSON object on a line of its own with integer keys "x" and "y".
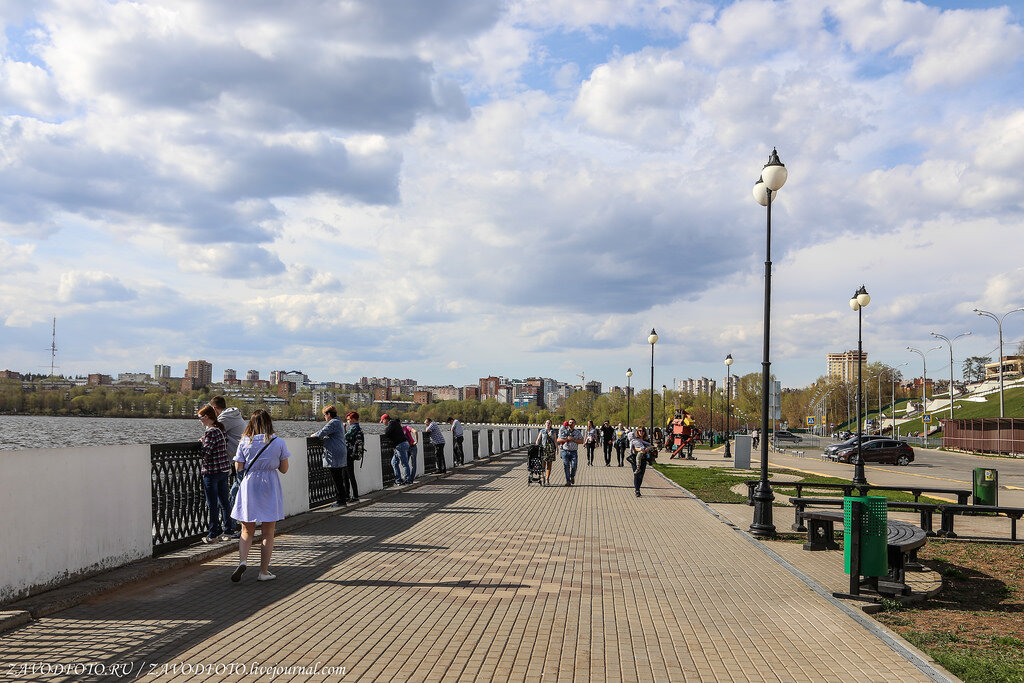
{"x": 482, "y": 576}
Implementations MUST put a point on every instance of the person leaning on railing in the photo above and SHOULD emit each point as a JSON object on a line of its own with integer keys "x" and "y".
{"x": 354, "y": 442}
{"x": 335, "y": 452}
{"x": 216, "y": 468}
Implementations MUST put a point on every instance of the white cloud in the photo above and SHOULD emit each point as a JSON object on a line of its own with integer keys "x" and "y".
{"x": 92, "y": 287}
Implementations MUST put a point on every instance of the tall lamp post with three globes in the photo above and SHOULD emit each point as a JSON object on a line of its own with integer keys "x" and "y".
{"x": 629, "y": 373}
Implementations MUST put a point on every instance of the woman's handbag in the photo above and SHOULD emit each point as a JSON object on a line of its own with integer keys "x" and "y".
{"x": 233, "y": 493}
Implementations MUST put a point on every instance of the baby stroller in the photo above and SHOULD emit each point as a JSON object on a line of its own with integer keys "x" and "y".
{"x": 535, "y": 465}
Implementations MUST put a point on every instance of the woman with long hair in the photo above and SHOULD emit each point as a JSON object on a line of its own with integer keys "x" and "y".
{"x": 548, "y": 448}
{"x": 216, "y": 468}
{"x": 590, "y": 440}
{"x": 261, "y": 455}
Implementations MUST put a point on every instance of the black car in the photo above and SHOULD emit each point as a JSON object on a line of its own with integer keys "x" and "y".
{"x": 880, "y": 450}
{"x": 783, "y": 435}
{"x": 851, "y": 441}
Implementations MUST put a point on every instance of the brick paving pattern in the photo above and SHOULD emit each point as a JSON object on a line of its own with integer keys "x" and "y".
{"x": 481, "y": 576}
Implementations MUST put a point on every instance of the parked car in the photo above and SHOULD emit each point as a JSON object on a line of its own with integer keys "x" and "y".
{"x": 783, "y": 435}
{"x": 881, "y": 451}
{"x": 830, "y": 451}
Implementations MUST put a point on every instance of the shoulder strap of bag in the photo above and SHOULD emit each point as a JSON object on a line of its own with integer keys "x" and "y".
{"x": 257, "y": 457}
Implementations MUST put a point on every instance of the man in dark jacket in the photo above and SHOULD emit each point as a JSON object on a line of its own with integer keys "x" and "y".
{"x": 394, "y": 437}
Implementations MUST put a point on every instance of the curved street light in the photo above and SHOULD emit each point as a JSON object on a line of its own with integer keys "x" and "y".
{"x": 950, "y": 343}
{"x": 999, "y": 322}
{"x": 924, "y": 384}
{"x": 773, "y": 177}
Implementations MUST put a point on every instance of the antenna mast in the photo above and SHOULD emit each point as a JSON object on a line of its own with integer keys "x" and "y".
{"x": 53, "y": 346}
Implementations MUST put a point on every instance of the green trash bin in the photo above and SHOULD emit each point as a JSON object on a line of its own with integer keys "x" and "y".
{"x": 986, "y": 486}
{"x": 874, "y": 534}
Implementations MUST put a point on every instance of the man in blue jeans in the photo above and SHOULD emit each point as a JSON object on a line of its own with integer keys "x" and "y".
{"x": 569, "y": 440}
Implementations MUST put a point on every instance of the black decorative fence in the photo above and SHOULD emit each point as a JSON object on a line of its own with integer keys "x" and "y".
{"x": 429, "y": 458}
{"x": 490, "y": 441}
{"x": 321, "y": 483}
{"x": 475, "y": 445}
{"x": 387, "y": 453}
{"x": 180, "y": 515}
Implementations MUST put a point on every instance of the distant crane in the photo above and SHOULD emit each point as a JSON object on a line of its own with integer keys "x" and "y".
{"x": 583, "y": 380}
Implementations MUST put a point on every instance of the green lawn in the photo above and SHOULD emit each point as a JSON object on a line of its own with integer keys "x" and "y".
{"x": 1013, "y": 406}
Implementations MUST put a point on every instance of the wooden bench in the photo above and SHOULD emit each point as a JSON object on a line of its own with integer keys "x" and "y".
{"x": 902, "y": 543}
{"x": 925, "y": 510}
{"x": 949, "y": 512}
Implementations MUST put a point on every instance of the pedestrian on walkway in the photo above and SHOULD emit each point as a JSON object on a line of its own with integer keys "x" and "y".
{"x": 458, "y": 455}
{"x": 395, "y": 438}
{"x": 261, "y": 455}
{"x": 547, "y": 440}
{"x": 216, "y": 466}
{"x": 590, "y": 440}
{"x": 412, "y": 438}
{"x": 641, "y": 450}
{"x": 433, "y": 431}
{"x": 335, "y": 457}
{"x": 569, "y": 440}
{"x": 621, "y": 443}
{"x": 356, "y": 446}
{"x": 607, "y": 439}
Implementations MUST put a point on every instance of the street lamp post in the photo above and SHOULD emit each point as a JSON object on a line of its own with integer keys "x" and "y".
{"x": 652, "y": 339}
{"x": 629, "y": 373}
{"x": 773, "y": 177}
{"x": 728, "y": 402}
{"x": 924, "y": 384}
{"x": 858, "y": 301}
{"x": 950, "y": 343}
{"x": 892, "y": 376}
{"x": 664, "y": 404}
{"x": 999, "y": 322}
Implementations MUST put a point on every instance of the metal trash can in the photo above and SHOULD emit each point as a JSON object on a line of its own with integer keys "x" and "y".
{"x": 874, "y": 534}
{"x": 986, "y": 486}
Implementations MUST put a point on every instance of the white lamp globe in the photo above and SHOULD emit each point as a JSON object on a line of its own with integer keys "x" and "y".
{"x": 652, "y": 338}
{"x": 728, "y": 359}
{"x": 863, "y": 298}
{"x": 761, "y": 193}
{"x": 854, "y": 304}
{"x": 774, "y": 173}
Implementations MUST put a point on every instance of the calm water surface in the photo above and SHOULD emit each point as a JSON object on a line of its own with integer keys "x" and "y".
{"x": 28, "y": 431}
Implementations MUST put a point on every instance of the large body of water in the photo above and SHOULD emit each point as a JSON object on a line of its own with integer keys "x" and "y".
{"x": 18, "y": 432}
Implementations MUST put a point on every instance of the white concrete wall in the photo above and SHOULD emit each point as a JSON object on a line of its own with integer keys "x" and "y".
{"x": 295, "y": 482}
{"x": 71, "y": 511}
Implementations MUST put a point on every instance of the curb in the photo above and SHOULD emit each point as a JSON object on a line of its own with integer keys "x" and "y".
{"x": 44, "y": 604}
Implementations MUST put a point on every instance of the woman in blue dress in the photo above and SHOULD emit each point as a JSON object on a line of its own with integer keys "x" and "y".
{"x": 260, "y": 501}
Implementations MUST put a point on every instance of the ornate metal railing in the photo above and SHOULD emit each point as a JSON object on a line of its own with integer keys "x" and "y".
{"x": 386, "y": 470}
{"x": 475, "y": 445}
{"x": 490, "y": 441}
{"x": 321, "y": 483}
{"x": 429, "y": 457}
{"x": 180, "y": 515}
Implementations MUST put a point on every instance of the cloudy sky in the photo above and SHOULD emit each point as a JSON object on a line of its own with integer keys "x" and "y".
{"x": 448, "y": 189}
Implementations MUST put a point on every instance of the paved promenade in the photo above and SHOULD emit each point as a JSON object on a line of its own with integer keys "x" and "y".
{"x": 479, "y": 576}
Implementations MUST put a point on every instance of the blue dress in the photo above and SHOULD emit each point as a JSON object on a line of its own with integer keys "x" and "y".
{"x": 259, "y": 495}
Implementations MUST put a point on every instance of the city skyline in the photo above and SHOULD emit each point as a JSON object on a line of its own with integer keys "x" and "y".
{"x": 516, "y": 186}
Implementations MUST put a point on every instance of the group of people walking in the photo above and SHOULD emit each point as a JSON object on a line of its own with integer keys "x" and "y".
{"x": 567, "y": 439}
